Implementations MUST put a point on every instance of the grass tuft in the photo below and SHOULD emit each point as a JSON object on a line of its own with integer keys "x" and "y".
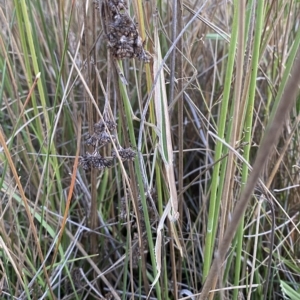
{"x": 149, "y": 149}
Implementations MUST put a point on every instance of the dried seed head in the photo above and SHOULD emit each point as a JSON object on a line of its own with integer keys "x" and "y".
{"x": 99, "y": 139}
{"x": 139, "y": 42}
{"x": 85, "y": 161}
{"x": 111, "y": 125}
{"x": 125, "y": 154}
{"x": 104, "y": 138}
{"x": 95, "y": 160}
{"x": 123, "y": 37}
{"x": 90, "y": 140}
{"x": 99, "y": 162}
{"x": 100, "y": 126}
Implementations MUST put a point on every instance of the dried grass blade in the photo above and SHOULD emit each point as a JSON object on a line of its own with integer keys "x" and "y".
{"x": 164, "y": 129}
{"x": 166, "y": 150}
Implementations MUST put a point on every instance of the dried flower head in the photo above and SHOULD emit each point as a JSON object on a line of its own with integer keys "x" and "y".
{"x": 125, "y": 154}
{"x": 99, "y": 162}
{"x": 90, "y": 140}
{"x": 100, "y": 126}
{"x": 115, "y": 6}
{"x": 104, "y": 138}
{"x": 124, "y": 40}
{"x": 84, "y": 161}
{"x": 99, "y": 139}
{"x": 95, "y": 161}
{"x": 111, "y": 125}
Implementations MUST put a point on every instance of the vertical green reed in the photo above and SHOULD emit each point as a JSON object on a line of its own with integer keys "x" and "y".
{"x": 214, "y": 201}
{"x": 248, "y": 129}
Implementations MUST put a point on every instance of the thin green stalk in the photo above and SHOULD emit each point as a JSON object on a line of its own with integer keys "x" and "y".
{"x": 34, "y": 59}
{"x": 137, "y": 168}
{"x": 286, "y": 74}
{"x": 248, "y": 130}
{"x": 212, "y": 221}
{"x": 7, "y": 269}
{"x": 51, "y": 146}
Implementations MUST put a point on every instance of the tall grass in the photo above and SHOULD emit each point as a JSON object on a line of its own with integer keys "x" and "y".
{"x": 128, "y": 179}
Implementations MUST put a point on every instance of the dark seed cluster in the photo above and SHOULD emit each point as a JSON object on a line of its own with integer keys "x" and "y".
{"x": 99, "y": 139}
{"x": 100, "y": 126}
{"x": 125, "y": 154}
{"x": 116, "y": 6}
{"x": 95, "y": 161}
{"x": 123, "y": 37}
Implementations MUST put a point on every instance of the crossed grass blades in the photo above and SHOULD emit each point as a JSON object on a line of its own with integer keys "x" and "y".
{"x": 123, "y": 41}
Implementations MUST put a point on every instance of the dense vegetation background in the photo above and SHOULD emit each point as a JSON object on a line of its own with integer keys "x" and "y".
{"x": 128, "y": 136}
